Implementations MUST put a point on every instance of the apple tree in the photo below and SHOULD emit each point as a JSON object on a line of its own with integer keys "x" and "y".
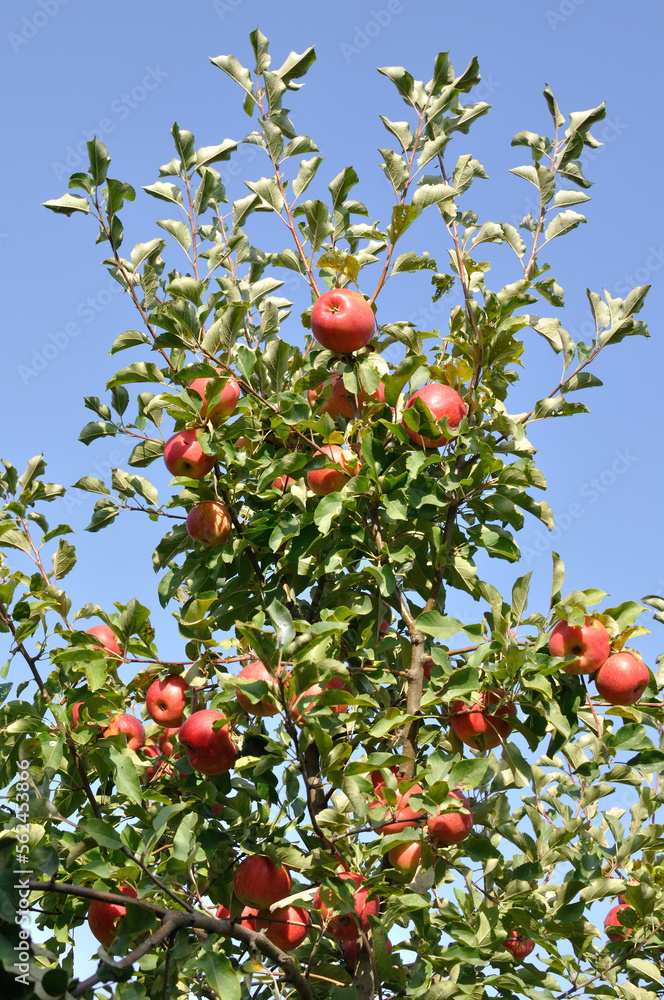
{"x": 337, "y": 789}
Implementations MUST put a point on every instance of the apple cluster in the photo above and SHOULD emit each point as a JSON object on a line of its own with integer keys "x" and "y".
{"x": 620, "y": 678}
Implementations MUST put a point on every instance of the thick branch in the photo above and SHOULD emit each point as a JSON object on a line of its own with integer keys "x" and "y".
{"x": 202, "y": 921}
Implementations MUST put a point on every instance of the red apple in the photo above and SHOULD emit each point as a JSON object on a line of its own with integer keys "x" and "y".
{"x": 286, "y": 927}
{"x": 152, "y": 751}
{"x": 326, "y": 480}
{"x": 451, "y": 827}
{"x": 342, "y": 321}
{"x": 404, "y": 815}
{"x": 345, "y": 927}
{"x": 257, "y": 671}
{"x": 282, "y": 482}
{"x": 476, "y": 726}
{"x": 615, "y": 931}
{"x": 248, "y": 918}
{"x": 165, "y": 700}
{"x": 103, "y": 918}
{"x": 207, "y": 751}
{"x": 622, "y": 678}
{"x": 443, "y": 401}
{"x": 302, "y": 703}
{"x": 227, "y": 403}
{"x": 406, "y": 857}
{"x": 107, "y": 637}
{"x": 378, "y": 778}
{"x": 209, "y": 523}
{"x": 131, "y": 726}
{"x": 259, "y": 882}
{"x": 427, "y": 668}
{"x": 343, "y": 397}
{"x": 76, "y": 707}
{"x": 590, "y": 643}
{"x": 223, "y": 913}
{"x": 165, "y": 742}
{"x": 519, "y": 945}
{"x": 184, "y": 456}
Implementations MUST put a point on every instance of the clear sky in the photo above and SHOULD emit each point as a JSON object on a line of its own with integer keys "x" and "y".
{"x": 126, "y": 71}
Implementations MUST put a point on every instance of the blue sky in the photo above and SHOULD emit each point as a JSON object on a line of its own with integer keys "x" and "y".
{"x": 127, "y": 71}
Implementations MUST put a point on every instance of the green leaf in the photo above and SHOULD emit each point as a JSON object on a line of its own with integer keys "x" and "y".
{"x": 214, "y": 154}
{"x": 97, "y": 429}
{"x": 145, "y": 453}
{"x": 165, "y": 191}
{"x": 305, "y": 174}
{"x": 103, "y": 833}
{"x": 68, "y": 204}
{"x": 403, "y": 216}
{"x": 282, "y": 621}
{"x": 441, "y": 627}
{"x": 99, "y": 161}
{"x": 129, "y": 338}
{"x": 178, "y": 230}
{"x": 126, "y": 775}
{"x": 64, "y": 559}
{"x": 223, "y": 977}
{"x": 563, "y": 223}
{"x": 401, "y": 79}
{"x": 340, "y": 186}
{"x": 296, "y": 65}
{"x": 104, "y": 513}
{"x": 140, "y": 371}
{"x": 92, "y": 485}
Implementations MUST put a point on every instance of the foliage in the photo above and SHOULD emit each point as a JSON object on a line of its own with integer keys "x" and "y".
{"x": 306, "y": 582}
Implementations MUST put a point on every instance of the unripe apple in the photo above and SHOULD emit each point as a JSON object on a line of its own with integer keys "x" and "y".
{"x": 519, "y": 945}
{"x": 326, "y": 480}
{"x": 615, "y": 931}
{"x": 183, "y": 456}
{"x": 257, "y": 671}
{"x": 443, "y": 401}
{"x": 230, "y": 395}
{"x": 207, "y": 751}
{"x": 404, "y": 814}
{"x": 478, "y": 727}
{"x": 346, "y": 926}
{"x": 406, "y": 857}
{"x": 259, "y": 882}
{"x": 622, "y": 678}
{"x": 209, "y": 523}
{"x": 451, "y": 827}
{"x": 165, "y": 700}
{"x": 107, "y": 638}
{"x": 103, "y": 918}
{"x": 343, "y": 397}
{"x": 286, "y": 927}
{"x": 342, "y": 321}
{"x": 131, "y": 726}
{"x": 590, "y": 643}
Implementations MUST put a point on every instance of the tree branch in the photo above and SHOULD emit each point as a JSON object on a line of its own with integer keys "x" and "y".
{"x": 202, "y": 921}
